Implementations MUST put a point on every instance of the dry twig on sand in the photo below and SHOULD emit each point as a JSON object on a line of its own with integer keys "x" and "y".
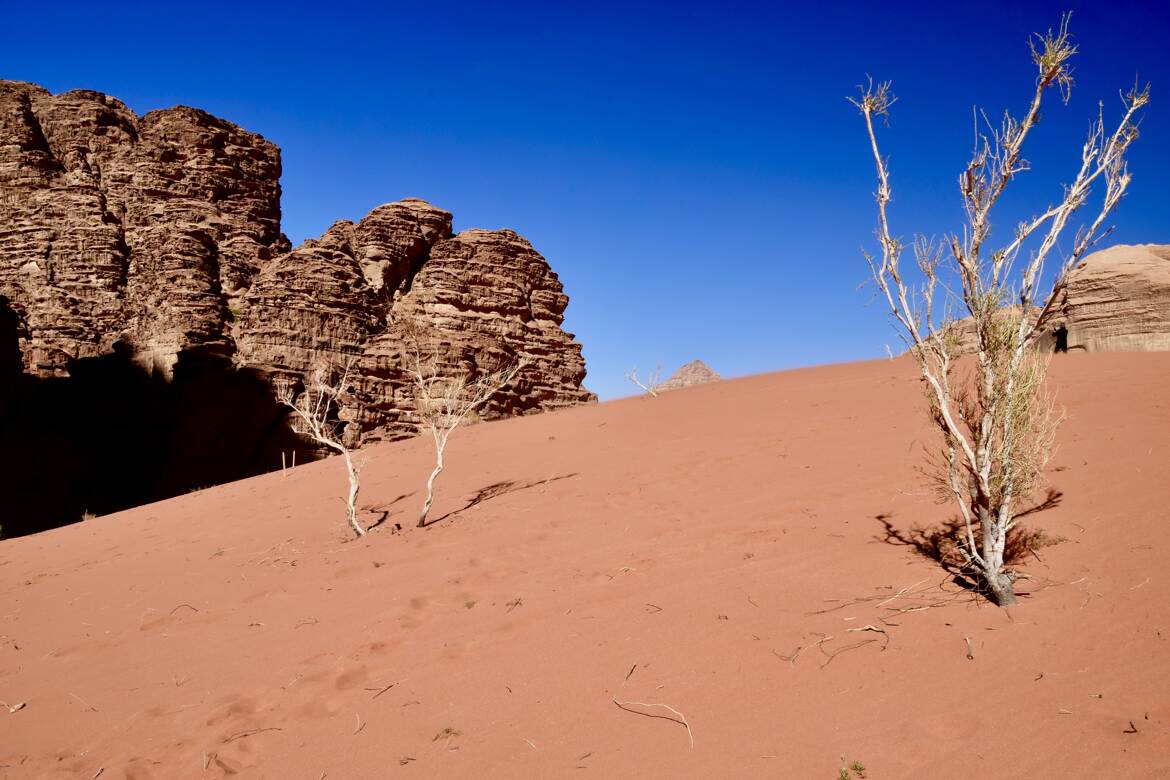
{"x": 845, "y": 649}
{"x": 249, "y": 733}
{"x": 626, "y": 705}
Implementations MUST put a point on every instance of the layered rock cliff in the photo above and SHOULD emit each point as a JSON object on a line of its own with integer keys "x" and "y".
{"x": 142, "y": 257}
{"x": 115, "y": 228}
{"x": 161, "y": 234}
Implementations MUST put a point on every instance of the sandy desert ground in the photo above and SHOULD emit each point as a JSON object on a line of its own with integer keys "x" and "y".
{"x": 718, "y": 550}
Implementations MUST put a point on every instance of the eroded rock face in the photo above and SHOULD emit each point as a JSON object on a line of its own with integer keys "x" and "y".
{"x": 118, "y": 228}
{"x": 1118, "y": 301}
{"x": 158, "y": 237}
{"x": 367, "y": 294}
{"x": 694, "y": 373}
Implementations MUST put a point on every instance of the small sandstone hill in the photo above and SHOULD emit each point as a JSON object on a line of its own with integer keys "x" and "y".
{"x": 148, "y": 298}
{"x": 1117, "y": 300}
{"x": 694, "y": 373}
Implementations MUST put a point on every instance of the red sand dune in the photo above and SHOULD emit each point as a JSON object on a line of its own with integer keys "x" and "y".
{"x": 672, "y": 550}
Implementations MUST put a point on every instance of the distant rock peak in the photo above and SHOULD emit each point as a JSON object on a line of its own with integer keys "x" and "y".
{"x": 694, "y": 373}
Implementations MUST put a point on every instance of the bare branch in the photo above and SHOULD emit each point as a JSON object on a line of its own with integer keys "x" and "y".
{"x": 650, "y": 385}
{"x": 315, "y": 409}
{"x": 444, "y": 402}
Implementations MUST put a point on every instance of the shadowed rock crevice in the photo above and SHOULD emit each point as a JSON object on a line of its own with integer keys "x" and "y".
{"x": 113, "y": 435}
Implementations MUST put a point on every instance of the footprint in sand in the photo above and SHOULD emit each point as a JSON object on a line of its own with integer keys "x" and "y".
{"x": 317, "y": 708}
{"x": 239, "y": 708}
{"x": 351, "y": 678}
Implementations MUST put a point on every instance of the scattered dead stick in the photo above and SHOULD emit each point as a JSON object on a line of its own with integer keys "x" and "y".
{"x": 360, "y": 725}
{"x": 843, "y": 605}
{"x": 792, "y": 658}
{"x": 970, "y": 649}
{"x": 188, "y": 606}
{"x": 87, "y": 705}
{"x": 626, "y": 705}
{"x": 249, "y": 733}
{"x": 902, "y": 591}
{"x": 381, "y": 691}
{"x": 632, "y": 668}
{"x": 842, "y": 650}
{"x": 923, "y": 608}
{"x": 789, "y": 658}
{"x": 876, "y": 630}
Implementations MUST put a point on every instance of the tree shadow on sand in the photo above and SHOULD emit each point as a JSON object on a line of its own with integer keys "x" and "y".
{"x": 382, "y": 510}
{"x": 940, "y": 543}
{"x": 497, "y": 489}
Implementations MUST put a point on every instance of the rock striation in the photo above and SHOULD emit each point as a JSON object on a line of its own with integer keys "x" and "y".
{"x": 363, "y": 293}
{"x": 694, "y": 373}
{"x": 116, "y": 228}
{"x": 160, "y": 235}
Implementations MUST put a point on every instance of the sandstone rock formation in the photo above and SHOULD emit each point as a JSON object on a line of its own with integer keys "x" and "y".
{"x": 161, "y": 234}
{"x": 116, "y": 228}
{"x": 1117, "y": 301}
{"x": 694, "y": 373}
{"x": 155, "y": 240}
{"x": 481, "y": 299}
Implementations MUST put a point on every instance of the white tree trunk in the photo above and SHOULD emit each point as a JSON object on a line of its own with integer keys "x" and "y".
{"x": 351, "y": 500}
{"x": 422, "y": 515}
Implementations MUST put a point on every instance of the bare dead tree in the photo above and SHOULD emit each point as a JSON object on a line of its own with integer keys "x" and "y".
{"x": 314, "y": 408}
{"x": 446, "y": 402}
{"x": 651, "y": 380}
{"x": 996, "y": 423}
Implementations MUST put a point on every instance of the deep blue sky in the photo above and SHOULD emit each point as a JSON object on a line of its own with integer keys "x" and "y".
{"x": 691, "y": 170}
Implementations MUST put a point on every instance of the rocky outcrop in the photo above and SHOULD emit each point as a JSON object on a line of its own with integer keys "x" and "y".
{"x": 161, "y": 235}
{"x": 152, "y": 245}
{"x": 694, "y": 373}
{"x": 1117, "y": 301}
{"x": 363, "y": 293}
{"x": 118, "y": 228}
